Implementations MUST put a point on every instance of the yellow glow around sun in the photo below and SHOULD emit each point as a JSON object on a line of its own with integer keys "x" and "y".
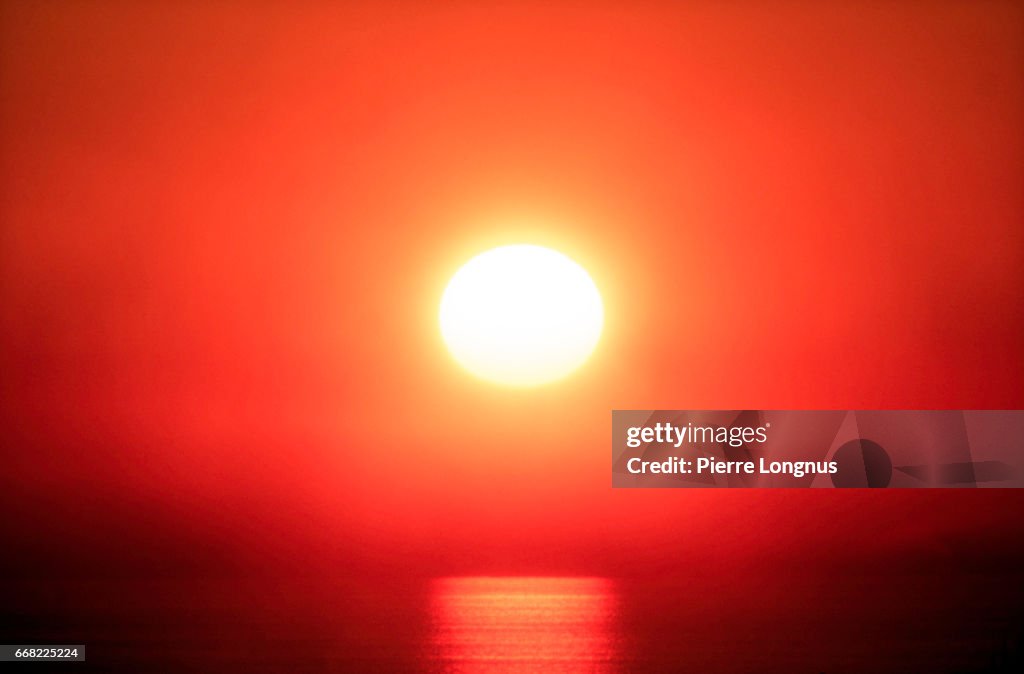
{"x": 521, "y": 315}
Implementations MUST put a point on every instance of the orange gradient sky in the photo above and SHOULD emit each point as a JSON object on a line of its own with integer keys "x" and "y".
{"x": 226, "y": 228}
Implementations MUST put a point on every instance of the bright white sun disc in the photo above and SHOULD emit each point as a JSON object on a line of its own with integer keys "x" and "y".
{"x": 521, "y": 315}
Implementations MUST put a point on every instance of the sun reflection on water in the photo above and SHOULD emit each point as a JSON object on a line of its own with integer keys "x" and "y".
{"x": 520, "y": 624}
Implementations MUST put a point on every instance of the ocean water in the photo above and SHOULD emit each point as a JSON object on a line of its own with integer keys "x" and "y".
{"x": 514, "y": 625}
{"x": 905, "y": 623}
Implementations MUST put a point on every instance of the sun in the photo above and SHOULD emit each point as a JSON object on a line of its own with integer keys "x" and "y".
{"x": 521, "y": 315}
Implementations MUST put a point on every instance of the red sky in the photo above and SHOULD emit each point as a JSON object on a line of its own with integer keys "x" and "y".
{"x": 225, "y": 228}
